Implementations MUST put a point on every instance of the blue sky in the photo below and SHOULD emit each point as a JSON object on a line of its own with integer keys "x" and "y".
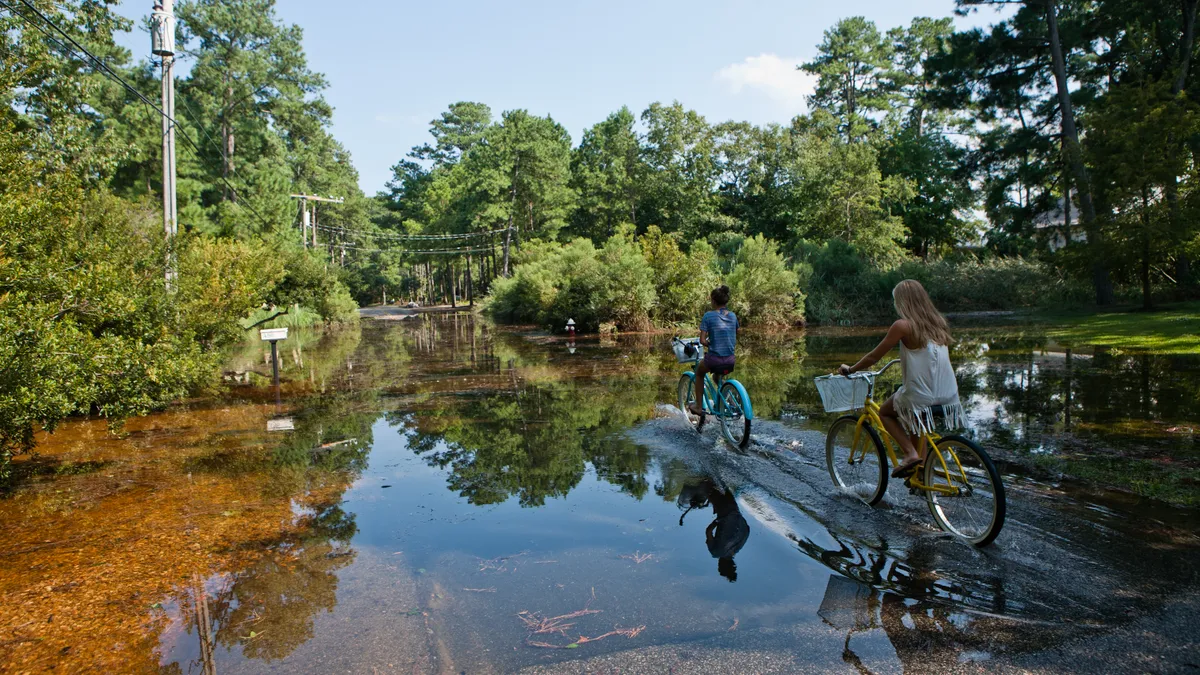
{"x": 393, "y": 66}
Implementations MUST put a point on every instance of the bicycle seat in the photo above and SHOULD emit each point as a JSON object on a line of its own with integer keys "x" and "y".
{"x": 722, "y": 371}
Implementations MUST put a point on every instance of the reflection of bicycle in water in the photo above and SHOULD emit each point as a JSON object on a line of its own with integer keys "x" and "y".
{"x": 727, "y": 533}
{"x": 960, "y": 483}
{"x": 724, "y": 397}
{"x": 926, "y": 636}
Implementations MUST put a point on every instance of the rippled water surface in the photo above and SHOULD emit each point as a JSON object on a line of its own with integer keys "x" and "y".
{"x": 437, "y": 495}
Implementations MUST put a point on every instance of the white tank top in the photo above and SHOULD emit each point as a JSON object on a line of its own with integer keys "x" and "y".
{"x": 928, "y": 381}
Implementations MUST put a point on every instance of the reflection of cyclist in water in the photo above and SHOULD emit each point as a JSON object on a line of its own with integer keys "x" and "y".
{"x": 727, "y": 533}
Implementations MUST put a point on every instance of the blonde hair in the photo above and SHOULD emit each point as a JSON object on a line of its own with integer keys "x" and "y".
{"x": 927, "y": 323}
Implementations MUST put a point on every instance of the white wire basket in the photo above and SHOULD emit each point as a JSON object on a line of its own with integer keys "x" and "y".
{"x": 839, "y": 393}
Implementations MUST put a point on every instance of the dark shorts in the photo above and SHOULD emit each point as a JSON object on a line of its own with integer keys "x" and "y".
{"x": 719, "y": 364}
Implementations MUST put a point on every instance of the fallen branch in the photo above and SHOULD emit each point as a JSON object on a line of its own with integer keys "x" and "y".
{"x": 735, "y": 624}
{"x": 480, "y": 590}
{"x": 627, "y": 632}
{"x": 639, "y": 557}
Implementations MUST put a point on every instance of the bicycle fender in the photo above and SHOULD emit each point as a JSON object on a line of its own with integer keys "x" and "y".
{"x": 745, "y": 397}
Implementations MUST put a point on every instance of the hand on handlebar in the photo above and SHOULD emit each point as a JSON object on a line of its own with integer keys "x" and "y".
{"x": 843, "y": 370}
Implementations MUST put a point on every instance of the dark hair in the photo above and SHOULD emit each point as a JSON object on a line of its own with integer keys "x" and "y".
{"x": 720, "y": 296}
{"x": 727, "y": 568}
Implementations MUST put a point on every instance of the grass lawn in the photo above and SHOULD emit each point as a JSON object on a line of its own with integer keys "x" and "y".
{"x": 1172, "y": 329}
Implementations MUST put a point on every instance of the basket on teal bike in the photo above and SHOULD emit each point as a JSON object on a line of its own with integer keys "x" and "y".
{"x": 688, "y": 350}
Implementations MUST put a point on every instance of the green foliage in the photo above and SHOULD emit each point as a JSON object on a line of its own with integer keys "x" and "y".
{"x": 219, "y": 279}
{"x": 682, "y": 281}
{"x": 851, "y": 67}
{"x": 613, "y": 284}
{"x": 763, "y": 291}
{"x": 86, "y": 322}
{"x": 846, "y": 289}
{"x": 606, "y": 171}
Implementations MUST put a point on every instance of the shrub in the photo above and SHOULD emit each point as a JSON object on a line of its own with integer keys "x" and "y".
{"x": 845, "y": 288}
{"x": 682, "y": 281}
{"x": 764, "y": 291}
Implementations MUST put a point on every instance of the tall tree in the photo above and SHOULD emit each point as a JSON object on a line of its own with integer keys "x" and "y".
{"x": 249, "y": 76}
{"x": 455, "y": 132}
{"x": 852, "y": 66}
{"x": 1017, "y": 79}
{"x": 909, "y": 80}
{"x": 607, "y": 171}
{"x": 679, "y": 156}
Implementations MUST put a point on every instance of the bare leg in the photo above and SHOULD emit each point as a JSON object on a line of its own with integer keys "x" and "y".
{"x": 701, "y": 371}
{"x": 891, "y": 422}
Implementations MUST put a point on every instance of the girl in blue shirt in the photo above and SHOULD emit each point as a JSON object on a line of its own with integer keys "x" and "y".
{"x": 718, "y": 334}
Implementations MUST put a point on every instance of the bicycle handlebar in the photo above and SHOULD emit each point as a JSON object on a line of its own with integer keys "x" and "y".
{"x": 870, "y": 375}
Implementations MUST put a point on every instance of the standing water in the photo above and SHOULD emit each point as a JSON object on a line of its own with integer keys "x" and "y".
{"x": 439, "y": 495}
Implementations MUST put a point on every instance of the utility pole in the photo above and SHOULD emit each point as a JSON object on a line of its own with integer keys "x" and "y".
{"x": 306, "y": 223}
{"x": 162, "y": 43}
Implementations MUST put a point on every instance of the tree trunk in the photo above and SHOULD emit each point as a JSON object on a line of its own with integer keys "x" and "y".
{"x": 470, "y": 291}
{"x": 227, "y": 143}
{"x": 512, "y": 210}
{"x": 1186, "y": 44}
{"x": 1183, "y": 264}
{"x": 428, "y": 284}
{"x": 1083, "y": 184}
{"x": 1147, "y": 292}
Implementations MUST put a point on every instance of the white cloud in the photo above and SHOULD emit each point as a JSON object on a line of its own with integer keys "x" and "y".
{"x": 773, "y": 76}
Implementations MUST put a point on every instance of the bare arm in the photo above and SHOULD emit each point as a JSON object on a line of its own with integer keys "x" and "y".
{"x": 704, "y": 338}
{"x": 897, "y": 332}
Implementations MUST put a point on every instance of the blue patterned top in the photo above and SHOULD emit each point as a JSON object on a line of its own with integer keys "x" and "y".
{"x": 721, "y": 326}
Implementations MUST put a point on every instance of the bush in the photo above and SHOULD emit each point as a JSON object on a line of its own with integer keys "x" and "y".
{"x": 682, "y": 281}
{"x": 577, "y": 281}
{"x": 764, "y": 291}
{"x": 845, "y": 288}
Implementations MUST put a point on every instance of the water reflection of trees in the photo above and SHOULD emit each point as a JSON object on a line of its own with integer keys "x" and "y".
{"x": 267, "y": 608}
{"x": 534, "y": 439}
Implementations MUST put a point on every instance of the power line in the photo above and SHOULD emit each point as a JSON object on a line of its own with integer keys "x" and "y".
{"x": 113, "y": 75}
{"x": 446, "y": 251}
{"x": 407, "y": 237}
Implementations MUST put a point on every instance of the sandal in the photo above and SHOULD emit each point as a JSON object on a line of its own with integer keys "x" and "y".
{"x": 906, "y": 468}
{"x": 692, "y": 410}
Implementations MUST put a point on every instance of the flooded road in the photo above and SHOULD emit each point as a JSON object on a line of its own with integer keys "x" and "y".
{"x": 437, "y": 495}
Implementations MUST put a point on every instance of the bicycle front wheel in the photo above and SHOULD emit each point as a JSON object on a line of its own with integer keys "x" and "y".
{"x": 686, "y": 393}
{"x": 734, "y": 423}
{"x": 860, "y": 468}
{"x": 965, "y": 496}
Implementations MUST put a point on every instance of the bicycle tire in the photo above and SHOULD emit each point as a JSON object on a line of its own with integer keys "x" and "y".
{"x": 733, "y": 416}
{"x": 867, "y": 487}
{"x": 686, "y": 395}
{"x": 982, "y": 533}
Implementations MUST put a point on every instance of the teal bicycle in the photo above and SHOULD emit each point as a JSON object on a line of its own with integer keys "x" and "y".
{"x": 724, "y": 398}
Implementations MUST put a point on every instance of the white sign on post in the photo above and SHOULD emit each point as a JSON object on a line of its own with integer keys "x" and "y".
{"x": 269, "y": 334}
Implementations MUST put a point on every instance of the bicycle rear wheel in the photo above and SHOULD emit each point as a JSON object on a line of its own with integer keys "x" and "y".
{"x": 860, "y": 469}
{"x": 686, "y": 394}
{"x": 975, "y": 511}
{"x": 734, "y": 423}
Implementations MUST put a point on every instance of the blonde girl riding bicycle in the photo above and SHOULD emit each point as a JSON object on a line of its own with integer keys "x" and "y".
{"x": 924, "y": 338}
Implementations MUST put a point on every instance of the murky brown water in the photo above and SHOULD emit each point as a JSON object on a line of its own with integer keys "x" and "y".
{"x": 437, "y": 495}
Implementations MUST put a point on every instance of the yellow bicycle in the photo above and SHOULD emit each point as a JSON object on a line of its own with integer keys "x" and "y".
{"x": 960, "y": 482}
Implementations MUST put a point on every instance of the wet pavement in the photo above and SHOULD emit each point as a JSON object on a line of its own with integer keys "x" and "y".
{"x": 435, "y": 495}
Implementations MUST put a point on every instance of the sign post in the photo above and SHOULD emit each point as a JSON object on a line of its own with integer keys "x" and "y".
{"x": 274, "y": 335}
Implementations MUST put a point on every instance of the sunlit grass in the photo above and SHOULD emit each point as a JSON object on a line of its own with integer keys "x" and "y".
{"x": 1169, "y": 482}
{"x": 1174, "y": 329}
